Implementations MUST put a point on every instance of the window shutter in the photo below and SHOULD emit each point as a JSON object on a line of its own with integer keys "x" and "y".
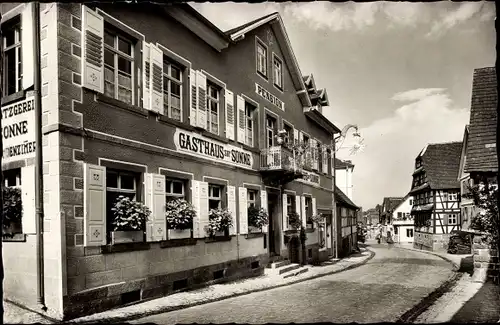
{"x": 155, "y": 200}
{"x": 297, "y": 205}
{"x": 242, "y": 206}
{"x": 324, "y": 156}
{"x": 240, "y": 106}
{"x": 263, "y": 204}
{"x": 229, "y": 115}
{"x": 156, "y": 77}
{"x": 295, "y": 136}
{"x": 231, "y": 206}
{"x": 94, "y": 205}
{"x": 314, "y": 154}
{"x": 193, "y": 98}
{"x": 303, "y": 213}
{"x": 93, "y": 50}
{"x": 201, "y": 85}
{"x": 146, "y": 79}
{"x": 195, "y": 201}
{"x": 28, "y": 53}
{"x": 28, "y": 199}
{"x": 203, "y": 218}
{"x": 285, "y": 212}
{"x": 314, "y": 212}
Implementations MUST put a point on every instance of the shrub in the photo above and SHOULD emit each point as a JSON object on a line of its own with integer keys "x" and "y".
{"x": 486, "y": 220}
{"x": 129, "y": 215}
{"x": 179, "y": 214}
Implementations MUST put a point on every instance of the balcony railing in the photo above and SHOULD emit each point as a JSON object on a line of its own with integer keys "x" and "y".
{"x": 281, "y": 158}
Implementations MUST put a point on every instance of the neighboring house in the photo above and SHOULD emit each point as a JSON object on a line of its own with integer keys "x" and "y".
{"x": 347, "y": 211}
{"x": 387, "y": 209}
{"x": 154, "y": 102}
{"x": 343, "y": 176}
{"x": 403, "y": 221}
{"x": 478, "y": 161}
{"x": 372, "y": 217}
{"x": 435, "y": 189}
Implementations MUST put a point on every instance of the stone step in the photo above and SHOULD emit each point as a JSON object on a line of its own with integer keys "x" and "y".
{"x": 296, "y": 272}
{"x": 277, "y": 265}
{"x": 281, "y": 270}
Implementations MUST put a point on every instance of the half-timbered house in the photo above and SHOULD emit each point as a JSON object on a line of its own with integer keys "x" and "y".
{"x": 347, "y": 211}
{"x": 436, "y": 193}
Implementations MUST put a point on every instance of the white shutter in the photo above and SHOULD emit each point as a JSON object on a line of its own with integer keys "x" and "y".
{"x": 156, "y": 229}
{"x": 313, "y": 203}
{"x": 297, "y": 206}
{"x": 156, "y": 77}
{"x": 263, "y": 204}
{"x": 243, "y": 209}
{"x": 296, "y": 136}
{"x": 324, "y": 156}
{"x": 195, "y": 201}
{"x": 93, "y": 50}
{"x": 229, "y": 115}
{"x": 314, "y": 154}
{"x": 193, "y": 102}
{"x": 28, "y": 52}
{"x": 285, "y": 212}
{"x": 203, "y": 218}
{"x": 28, "y": 199}
{"x": 94, "y": 205}
{"x": 231, "y": 206}
{"x": 240, "y": 107}
{"x": 201, "y": 113}
{"x": 146, "y": 79}
{"x": 303, "y": 211}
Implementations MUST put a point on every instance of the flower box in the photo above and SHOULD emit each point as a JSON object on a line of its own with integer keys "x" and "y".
{"x": 220, "y": 233}
{"x": 179, "y": 233}
{"x": 118, "y": 237}
{"x": 252, "y": 229}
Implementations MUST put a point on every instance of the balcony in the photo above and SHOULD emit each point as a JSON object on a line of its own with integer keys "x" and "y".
{"x": 280, "y": 165}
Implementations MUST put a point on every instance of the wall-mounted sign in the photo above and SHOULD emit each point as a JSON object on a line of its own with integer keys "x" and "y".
{"x": 310, "y": 178}
{"x": 18, "y": 130}
{"x": 269, "y": 97}
{"x": 197, "y": 145}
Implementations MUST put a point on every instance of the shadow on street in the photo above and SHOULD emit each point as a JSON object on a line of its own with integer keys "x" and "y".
{"x": 484, "y": 307}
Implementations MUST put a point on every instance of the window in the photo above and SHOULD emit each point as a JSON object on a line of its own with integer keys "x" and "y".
{"x": 278, "y": 72}
{"x": 400, "y": 215}
{"x": 453, "y": 197}
{"x": 251, "y": 198}
{"x": 445, "y": 196}
{"x": 214, "y": 197}
{"x": 409, "y": 233}
{"x": 118, "y": 66}
{"x": 411, "y": 202}
{"x": 213, "y": 103}
{"x": 452, "y": 219}
{"x": 12, "y": 57}
{"x": 172, "y": 90}
{"x": 12, "y": 177}
{"x": 289, "y": 133}
{"x": 261, "y": 59}
{"x": 270, "y": 130}
{"x": 118, "y": 183}
{"x": 309, "y": 212}
{"x": 175, "y": 189}
{"x": 249, "y": 111}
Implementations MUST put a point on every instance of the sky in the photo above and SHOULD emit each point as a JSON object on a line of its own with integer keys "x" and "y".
{"x": 400, "y": 71}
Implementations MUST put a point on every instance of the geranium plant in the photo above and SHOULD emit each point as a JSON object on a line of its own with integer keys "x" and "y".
{"x": 12, "y": 206}
{"x": 317, "y": 218}
{"x": 257, "y": 217}
{"x": 294, "y": 220}
{"x": 129, "y": 215}
{"x": 179, "y": 214}
{"x": 218, "y": 220}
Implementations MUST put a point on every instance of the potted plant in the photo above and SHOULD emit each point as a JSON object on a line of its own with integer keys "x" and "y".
{"x": 219, "y": 222}
{"x": 257, "y": 218}
{"x": 129, "y": 219}
{"x": 179, "y": 214}
{"x": 12, "y": 211}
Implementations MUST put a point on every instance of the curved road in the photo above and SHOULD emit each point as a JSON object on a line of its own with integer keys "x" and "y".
{"x": 380, "y": 291}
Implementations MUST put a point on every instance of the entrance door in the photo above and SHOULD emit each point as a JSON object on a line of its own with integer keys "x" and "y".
{"x": 274, "y": 228}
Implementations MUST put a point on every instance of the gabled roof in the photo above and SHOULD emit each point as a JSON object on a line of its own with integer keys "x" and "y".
{"x": 402, "y": 201}
{"x": 343, "y": 200}
{"x": 441, "y": 163}
{"x": 481, "y": 147}
{"x": 250, "y": 23}
{"x": 390, "y": 203}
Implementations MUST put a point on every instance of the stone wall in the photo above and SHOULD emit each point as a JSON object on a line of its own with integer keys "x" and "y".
{"x": 486, "y": 264}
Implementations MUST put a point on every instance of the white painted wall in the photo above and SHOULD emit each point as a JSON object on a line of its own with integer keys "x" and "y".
{"x": 344, "y": 181}
{"x": 403, "y": 235}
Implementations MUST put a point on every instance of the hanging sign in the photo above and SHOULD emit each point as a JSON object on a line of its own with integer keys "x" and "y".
{"x": 269, "y": 97}
{"x": 197, "y": 145}
{"x": 18, "y": 130}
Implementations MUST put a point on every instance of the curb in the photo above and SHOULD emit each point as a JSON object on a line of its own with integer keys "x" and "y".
{"x": 167, "y": 309}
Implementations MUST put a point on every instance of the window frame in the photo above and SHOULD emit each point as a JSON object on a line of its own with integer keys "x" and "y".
{"x": 173, "y": 180}
{"x": 254, "y": 201}
{"x": 218, "y": 101}
{"x": 453, "y": 217}
{"x": 14, "y": 22}
{"x": 249, "y": 106}
{"x": 12, "y": 172}
{"x": 167, "y": 105}
{"x": 214, "y": 198}
{"x": 260, "y": 43}
{"x": 270, "y": 117}
{"x": 281, "y": 81}
{"x": 286, "y": 125}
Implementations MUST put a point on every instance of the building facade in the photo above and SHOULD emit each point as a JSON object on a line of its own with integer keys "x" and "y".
{"x": 343, "y": 176}
{"x": 403, "y": 221}
{"x": 347, "y": 211}
{"x": 436, "y": 193}
{"x": 153, "y": 102}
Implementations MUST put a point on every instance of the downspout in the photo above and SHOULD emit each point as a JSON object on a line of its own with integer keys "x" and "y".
{"x": 334, "y": 202}
{"x": 40, "y": 293}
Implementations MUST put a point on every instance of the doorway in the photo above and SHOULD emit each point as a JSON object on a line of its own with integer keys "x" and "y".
{"x": 274, "y": 224}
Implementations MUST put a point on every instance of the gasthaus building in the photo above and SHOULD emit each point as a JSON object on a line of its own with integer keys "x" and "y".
{"x": 153, "y": 102}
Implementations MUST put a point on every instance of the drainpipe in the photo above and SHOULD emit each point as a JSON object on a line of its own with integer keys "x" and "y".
{"x": 334, "y": 203}
{"x": 40, "y": 297}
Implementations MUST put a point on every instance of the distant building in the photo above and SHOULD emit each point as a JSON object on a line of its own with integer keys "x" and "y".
{"x": 372, "y": 216}
{"x": 387, "y": 208}
{"x": 347, "y": 210}
{"x": 403, "y": 221}
{"x": 343, "y": 176}
{"x": 435, "y": 190}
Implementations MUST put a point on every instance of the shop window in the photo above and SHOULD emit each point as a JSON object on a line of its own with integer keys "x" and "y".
{"x": 214, "y": 197}
{"x": 118, "y": 65}
{"x": 277, "y": 72}
{"x": 249, "y": 130}
{"x": 213, "y": 105}
{"x": 172, "y": 89}
{"x": 261, "y": 59}
{"x": 175, "y": 189}
{"x": 12, "y": 57}
{"x": 119, "y": 183}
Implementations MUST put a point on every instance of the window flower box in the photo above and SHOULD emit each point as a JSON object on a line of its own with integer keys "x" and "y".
{"x": 257, "y": 218}
{"x": 219, "y": 222}
{"x": 131, "y": 236}
{"x": 179, "y": 233}
{"x": 252, "y": 229}
{"x": 179, "y": 214}
{"x": 129, "y": 220}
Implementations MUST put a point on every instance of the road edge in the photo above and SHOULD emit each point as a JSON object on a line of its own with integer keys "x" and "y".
{"x": 167, "y": 309}
{"x": 455, "y": 265}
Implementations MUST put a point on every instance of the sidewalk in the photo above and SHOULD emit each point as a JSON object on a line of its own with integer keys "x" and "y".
{"x": 17, "y": 315}
{"x": 223, "y": 291}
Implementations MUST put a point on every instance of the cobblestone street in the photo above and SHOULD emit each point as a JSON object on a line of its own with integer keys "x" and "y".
{"x": 381, "y": 290}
